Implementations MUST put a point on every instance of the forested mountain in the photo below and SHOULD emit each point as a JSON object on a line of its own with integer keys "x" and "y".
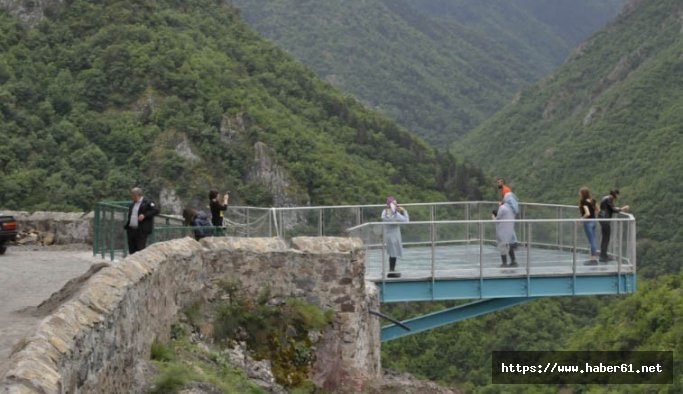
{"x": 439, "y": 67}
{"x": 181, "y": 97}
{"x": 611, "y": 116}
{"x": 460, "y": 354}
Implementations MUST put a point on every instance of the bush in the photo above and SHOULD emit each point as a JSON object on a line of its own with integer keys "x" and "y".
{"x": 161, "y": 352}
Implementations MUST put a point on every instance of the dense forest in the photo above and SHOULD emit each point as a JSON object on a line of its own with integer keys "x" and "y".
{"x": 100, "y": 96}
{"x": 438, "y": 67}
{"x": 460, "y": 355}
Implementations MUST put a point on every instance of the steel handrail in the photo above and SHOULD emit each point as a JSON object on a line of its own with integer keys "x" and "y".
{"x": 625, "y": 253}
{"x": 424, "y": 222}
{"x": 412, "y": 204}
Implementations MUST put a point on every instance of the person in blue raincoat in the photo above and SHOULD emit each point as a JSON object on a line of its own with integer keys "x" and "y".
{"x": 393, "y": 213}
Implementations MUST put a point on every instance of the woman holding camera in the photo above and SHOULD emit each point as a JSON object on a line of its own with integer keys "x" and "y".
{"x": 217, "y": 208}
{"x": 393, "y": 213}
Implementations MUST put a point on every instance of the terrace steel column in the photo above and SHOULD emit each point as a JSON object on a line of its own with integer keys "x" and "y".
{"x": 450, "y": 316}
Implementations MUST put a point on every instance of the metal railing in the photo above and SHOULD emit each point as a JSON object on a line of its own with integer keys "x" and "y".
{"x": 109, "y": 238}
{"x": 462, "y": 248}
{"x": 551, "y": 236}
{"x": 434, "y": 227}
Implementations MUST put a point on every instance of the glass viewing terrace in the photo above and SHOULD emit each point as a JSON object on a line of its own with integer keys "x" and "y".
{"x": 449, "y": 252}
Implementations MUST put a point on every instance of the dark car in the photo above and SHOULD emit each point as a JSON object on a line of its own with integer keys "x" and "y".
{"x": 8, "y": 231}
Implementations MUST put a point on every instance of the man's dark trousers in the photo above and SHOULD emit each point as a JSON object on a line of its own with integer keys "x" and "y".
{"x": 137, "y": 240}
{"x": 606, "y": 231}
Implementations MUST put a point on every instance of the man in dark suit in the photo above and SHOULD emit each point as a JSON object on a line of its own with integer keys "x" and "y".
{"x": 140, "y": 222}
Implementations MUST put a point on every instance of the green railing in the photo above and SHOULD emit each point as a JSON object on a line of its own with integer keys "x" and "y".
{"x": 109, "y": 238}
{"x": 167, "y": 233}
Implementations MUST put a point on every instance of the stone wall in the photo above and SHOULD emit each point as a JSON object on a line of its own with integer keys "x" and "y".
{"x": 91, "y": 342}
{"x": 325, "y": 271}
{"x": 66, "y": 227}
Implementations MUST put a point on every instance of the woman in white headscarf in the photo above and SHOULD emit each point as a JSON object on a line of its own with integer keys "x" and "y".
{"x": 505, "y": 232}
{"x": 393, "y": 213}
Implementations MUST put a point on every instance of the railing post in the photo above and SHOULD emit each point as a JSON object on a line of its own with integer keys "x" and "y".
{"x": 574, "y": 243}
{"x": 248, "y": 224}
{"x": 270, "y": 223}
{"x": 125, "y": 235}
{"x": 619, "y": 254}
{"x": 432, "y": 236}
{"x": 282, "y": 224}
{"x": 467, "y": 226}
{"x": 481, "y": 258}
{"x": 103, "y": 234}
{"x": 384, "y": 275}
{"x": 522, "y": 215}
{"x": 528, "y": 258}
{"x": 112, "y": 242}
{"x": 560, "y": 239}
{"x": 320, "y": 222}
{"x": 632, "y": 241}
{"x": 96, "y": 241}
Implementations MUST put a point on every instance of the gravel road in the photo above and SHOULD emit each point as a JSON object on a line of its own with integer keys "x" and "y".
{"x": 29, "y": 275}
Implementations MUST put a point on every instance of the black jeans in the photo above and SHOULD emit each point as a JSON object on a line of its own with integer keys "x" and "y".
{"x": 137, "y": 240}
{"x": 606, "y": 232}
{"x": 392, "y": 264}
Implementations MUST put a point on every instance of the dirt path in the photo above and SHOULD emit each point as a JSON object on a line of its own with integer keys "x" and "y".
{"x": 29, "y": 275}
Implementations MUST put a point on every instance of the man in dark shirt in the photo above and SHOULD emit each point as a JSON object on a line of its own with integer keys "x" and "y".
{"x": 607, "y": 209}
{"x": 140, "y": 222}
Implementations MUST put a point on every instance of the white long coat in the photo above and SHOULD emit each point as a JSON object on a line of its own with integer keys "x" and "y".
{"x": 505, "y": 231}
{"x": 392, "y": 232}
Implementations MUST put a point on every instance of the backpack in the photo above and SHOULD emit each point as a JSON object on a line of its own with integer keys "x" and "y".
{"x": 511, "y": 198}
{"x": 202, "y": 220}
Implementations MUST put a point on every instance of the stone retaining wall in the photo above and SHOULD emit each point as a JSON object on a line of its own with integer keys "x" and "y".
{"x": 91, "y": 342}
{"x": 67, "y": 227}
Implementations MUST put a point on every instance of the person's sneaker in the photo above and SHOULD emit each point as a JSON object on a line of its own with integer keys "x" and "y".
{"x": 503, "y": 265}
{"x": 514, "y": 264}
{"x": 394, "y": 274}
{"x": 591, "y": 262}
{"x": 604, "y": 260}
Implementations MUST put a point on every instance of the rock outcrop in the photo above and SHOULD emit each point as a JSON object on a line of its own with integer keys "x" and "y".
{"x": 267, "y": 172}
{"x": 30, "y": 12}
